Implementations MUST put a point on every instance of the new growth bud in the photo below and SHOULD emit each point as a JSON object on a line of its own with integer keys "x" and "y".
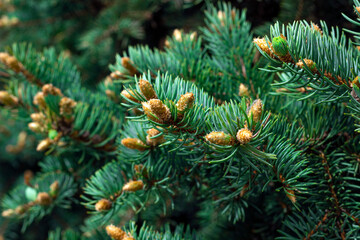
{"x": 39, "y": 100}
{"x": 280, "y": 46}
{"x": 43, "y": 145}
{"x": 177, "y": 34}
{"x": 185, "y": 102}
{"x": 115, "y": 232}
{"x": 244, "y": 136}
{"x": 49, "y": 89}
{"x": 43, "y": 199}
{"x": 243, "y": 90}
{"x": 35, "y": 127}
{"x": 134, "y": 143}
{"x": 133, "y": 186}
{"x": 160, "y": 110}
{"x": 129, "y": 95}
{"x": 66, "y": 106}
{"x": 309, "y": 63}
{"x": 7, "y": 99}
{"x": 256, "y": 110}
{"x": 128, "y": 65}
{"x": 264, "y": 46}
{"x": 220, "y": 138}
{"x": 147, "y": 89}
{"x": 154, "y": 141}
{"x": 54, "y": 189}
{"x": 103, "y": 205}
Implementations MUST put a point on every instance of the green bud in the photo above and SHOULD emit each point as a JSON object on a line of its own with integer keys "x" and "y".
{"x": 280, "y": 46}
{"x": 52, "y": 134}
{"x": 30, "y": 194}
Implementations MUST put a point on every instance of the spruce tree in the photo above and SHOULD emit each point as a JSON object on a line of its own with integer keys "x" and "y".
{"x": 221, "y": 135}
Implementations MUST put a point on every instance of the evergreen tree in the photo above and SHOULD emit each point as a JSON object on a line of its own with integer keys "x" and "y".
{"x": 205, "y": 139}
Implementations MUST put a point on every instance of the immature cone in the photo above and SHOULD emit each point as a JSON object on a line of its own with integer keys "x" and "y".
{"x": 115, "y": 232}
{"x": 116, "y": 75}
{"x": 38, "y": 117}
{"x": 280, "y": 46}
{"x": 28, "y": 175}
{"x": 43, "y": 198}
{"x": 134, "y": 143}
{"x": 160, "y": 110}
{"x": 133, "y": 186}
{"x": 66, "y": 106}
{"x": 128, "y": 64}
{"x": 193, "y": 36}
{"x": 177, "y": 35}
{"x": 8, "y": 213}
{"x": 54, "y": 189}
{"x": 49, "y": 89}
{"x": 35, "y": 127}
{"x": 356, "y": 81}
{"x": 43, "y": 145}
{"x": 154, "y": 141}
{"x": 103, "y": 205}
{"x": 243, "y": 90}
{"x": 7, "y": 99}
{"x": 129, "y": 95}
{"x": 309, "y": 63}
{"x": 39, "y": 100}
{"x": 185, "y": 102}
{"x": 256, "y": 110}
{"x": 244, "y": 136}
{"x": 261, "y": 43}
{"x": 147, "y": 89}
{"x": 220, "y": 138}
{"x": 147, "y": 110}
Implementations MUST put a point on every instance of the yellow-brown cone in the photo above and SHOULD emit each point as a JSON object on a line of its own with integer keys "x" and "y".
{"x": 115, "y": 232}
{"x": 129, "y": 95}
{"x": 134, "y": 143}
{"x": 35, "y": 127}
{"x": 256, "y": 110}
{"x": 244, "y": 136}
{"x": 49, "y": 89}
{"x": 128, "y": 64}
{"x": 220, "y": 138}
{"x": 160, "y": 110}
{"x": 185, "y": 102}
{"x": 43, "y": 145}
{"x": 8, "y": 99}
{"x": 154, "y": 141}
{"x": 309, "y": 63}
{"x": 133, "y": 186}
{"x": 43, "y": 198}
{"x": 103, "y": 205}
{"x": 39, "y": 100}
{"x": 261, "y": 43}
{"x": 147, "y": 89}
{"x": 243, "y": 90}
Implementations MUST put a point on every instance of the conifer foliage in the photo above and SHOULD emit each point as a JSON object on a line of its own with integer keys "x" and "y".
{"x": 205, "y": 139}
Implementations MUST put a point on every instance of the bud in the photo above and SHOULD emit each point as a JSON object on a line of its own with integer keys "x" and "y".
{"x": 358, "y": 10}
{"x": 185, "y": 102}
{"x": 154, "y": 141}
{"x": 43, "y": 145}
{"x": 39, "y": 100}
{"x": 35, "y": 127}
{"x": 128, "y": 238}
{"x": 110, "y": 94}
{"x": 13, "y": 63}
{"x": 309, "y": 63}
{"x": 54, "y": 189}
{"x": 8, "y": 99}
{"x": 28, "y": 175}
{"x": 220, "y": 138}
{"x": 221, "y": 16}
{"x": 129, "y": 95}
{"x": 244, "y": 136}
{"x": 128, "y": 64}
{"x": 43, "y": 198}
{"x": 356, "y": 81}
{"x": 3, "y": 56}
{"x": 256, "y": 110}
{"x": 193, "y": 36}
{"x": 265, "y": 47}
{"x": 280, "y": 46}
{"x": 147, "y": 89}
{"x": 38, "y": 117}
{"x": 134, "y": 143}
{"x": 133, "y": 186}
{"x": 316, "y": 28}
{"x": 19, "y": 210}
{"x": 49, "y": 89}
{"x": 52, "y": 134}
{"x": 116, "y": 75}
{"x": 147, "y": 110}
{"x": 103, "y": 205}
{"x": 177, "y": 35}
{"x": 160, "y": 110}
{"x": 66, "y": 106}
{"x": 115, "y": 232}
{"x": 243, "y": 90}
{"x": 291, "y": 195}
{"x": 8, "y": 213}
